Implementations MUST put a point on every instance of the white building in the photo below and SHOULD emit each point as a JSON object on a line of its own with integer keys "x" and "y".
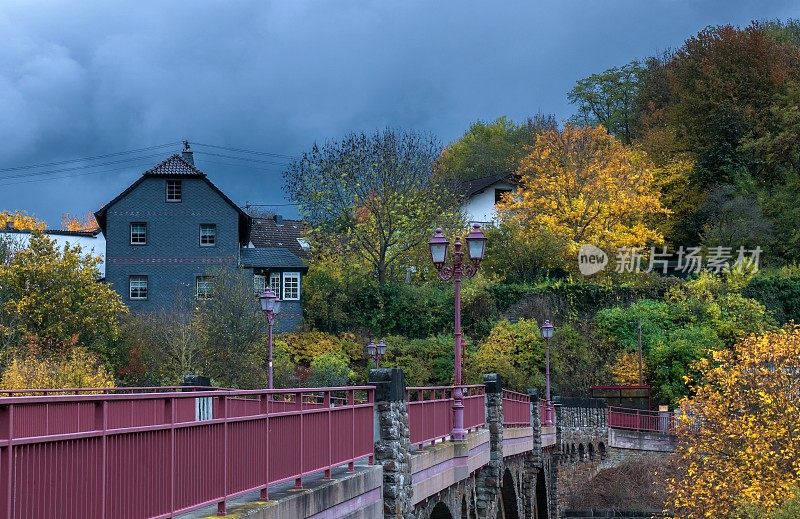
{"x": 91, "y": 242}
{"x": 481, "y": 196}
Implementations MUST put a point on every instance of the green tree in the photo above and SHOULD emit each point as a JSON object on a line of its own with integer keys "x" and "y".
{"x": 52, "y": 297}
{"x": 609, "y": 99}
{"x": 515, "y": 351}
{"x": 488, "y": 149}
{"x": 330, "y": 369}
{"x": 234, "y": 352}
{"x": 373, "y": 196}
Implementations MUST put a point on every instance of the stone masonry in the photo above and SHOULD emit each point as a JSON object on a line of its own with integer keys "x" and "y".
{"x": 393, "y": 444}
{"x": 490, "y": 478}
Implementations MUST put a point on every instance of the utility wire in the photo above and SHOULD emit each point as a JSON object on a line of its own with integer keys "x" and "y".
{"x": 77, "y": 168}
{"x": 128, "y": 167}
{"x": 62, "y": 162}
{"x": 240, "y": 150}
{"x": 242, "y": 158}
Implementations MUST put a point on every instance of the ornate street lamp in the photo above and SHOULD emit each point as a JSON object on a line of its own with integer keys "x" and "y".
{"x": 376, "y": 351}
{"x": 476, "y": 247}
{"x": 547, "y": 333}
{"x": 271, "y": 306}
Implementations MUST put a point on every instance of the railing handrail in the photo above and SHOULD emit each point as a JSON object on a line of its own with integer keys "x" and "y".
{"x": 517, "y": 394}
{"x": 175, "y": 394}
{"x": 417, "y": 388}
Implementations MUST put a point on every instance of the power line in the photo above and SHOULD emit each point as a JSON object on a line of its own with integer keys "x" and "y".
{"x": 77, "y": 168}
{"x": 85, "y": 159}
{"x": 72, "y": 176}
{"x": 242, "y": 158}
{"x": 241, "y": 150}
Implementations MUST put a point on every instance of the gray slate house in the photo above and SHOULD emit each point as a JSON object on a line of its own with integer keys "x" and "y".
{"x": 168, "y": 231}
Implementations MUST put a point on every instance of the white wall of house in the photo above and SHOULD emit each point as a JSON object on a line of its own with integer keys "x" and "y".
{"x": 94, "y": 245}
{"x": 480, "y": 207}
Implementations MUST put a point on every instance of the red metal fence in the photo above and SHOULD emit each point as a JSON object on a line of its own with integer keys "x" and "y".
{"x": 516, "y": 409}
{"x": 153, "y": 455}
{"x": 637, "y": 420}
{"x": 430, "y": 411}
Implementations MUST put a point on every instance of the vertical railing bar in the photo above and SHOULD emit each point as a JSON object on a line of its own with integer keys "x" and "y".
{"x": 104, "y": 475}
{"x": 172, "y": 411}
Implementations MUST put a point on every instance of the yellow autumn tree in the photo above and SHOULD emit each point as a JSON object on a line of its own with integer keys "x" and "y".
{"x": 21, "y": 221}
{"x": 625, "y": 368}
{"x": 739, "y": 440}
{"x": 86, "y": 223}
{"x": 581, "y": 185}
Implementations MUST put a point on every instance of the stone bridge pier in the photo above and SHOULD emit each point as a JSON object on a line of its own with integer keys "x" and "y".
{"x": 498, "y": 472}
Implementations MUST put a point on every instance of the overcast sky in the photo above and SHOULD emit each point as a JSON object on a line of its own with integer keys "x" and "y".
{"x": 276, "y": 76}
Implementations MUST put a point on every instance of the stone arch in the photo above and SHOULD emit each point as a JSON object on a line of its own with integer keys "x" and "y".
{"x": 591, "y": 452}
{"x": 440, "y": 511}
{"x": 540, "y": 501}
{"x": 572, "y": 453}
{"x": 509, "y": 508}
{"x": 581, "y": 452}
{"x": 601, "y": 447}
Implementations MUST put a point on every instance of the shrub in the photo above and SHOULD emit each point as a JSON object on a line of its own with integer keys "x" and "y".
{"x": 515, "y": 351}
{"x": 423, "y": 361}
{"x": 779, "y": 292}
{"x": 77, "y": 368}
{"x": 330, "y": 369}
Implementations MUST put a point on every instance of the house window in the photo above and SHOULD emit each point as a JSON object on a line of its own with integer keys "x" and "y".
{"x": 204, "y": 286}
{"x": 174, "y": 190}
{"x": 138, "y": 233}
{"x": 208, "y": 234}
{"x": 291, "y": 286}
{"x": 499, "y": 194}
{"x": 275, "y": 283}
{"x": 259, "y": 283}
{"x": 137, "y": 286}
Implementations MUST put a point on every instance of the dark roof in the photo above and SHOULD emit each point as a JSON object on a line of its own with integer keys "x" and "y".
{"x": 174, "y": 166}
{"x": 54, "y": 232}
{"x": 177, "y": 166}
{"x": 270, "y": 257}
{"x": 471, "y": 187}
{"x": 266, "y": 232}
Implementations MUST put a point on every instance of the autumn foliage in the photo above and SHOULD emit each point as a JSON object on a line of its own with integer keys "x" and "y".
{"x": 739, "y": 442}
{"x": 582, "y": 185}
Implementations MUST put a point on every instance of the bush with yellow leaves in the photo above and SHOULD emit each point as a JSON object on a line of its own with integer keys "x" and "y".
{"x": 739, "y": 439}
{"x": 77, "y": 368}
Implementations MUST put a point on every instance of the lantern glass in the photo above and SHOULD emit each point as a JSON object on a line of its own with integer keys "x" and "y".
{"x": 476, "y": 243}
{"x": 438, "y": 246}
{"x": 547, "y": 330}
{"x": 369, "y": 349}
{"x": 381, "y": 348}
{"x": 276, "y": 306}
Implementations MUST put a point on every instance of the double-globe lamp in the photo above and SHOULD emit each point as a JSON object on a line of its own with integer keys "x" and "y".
{"x": 458, "y": 268}
{"x": 375, "y": 351}
{"x": 271, "y": 306}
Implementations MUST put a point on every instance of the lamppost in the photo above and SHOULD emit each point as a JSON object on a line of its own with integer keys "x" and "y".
{"x": 270, "y": 305}
{"x": 476, "y": 246}
{"x": 376, "y": 351}
{"x": 547, "y": 333}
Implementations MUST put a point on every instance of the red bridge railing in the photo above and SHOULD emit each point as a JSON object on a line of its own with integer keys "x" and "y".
{"x": 158, "y": 454}
{"x": 516, "y": 409}
{"x": 638, "y": 420}
{"x": 430, "y": 411}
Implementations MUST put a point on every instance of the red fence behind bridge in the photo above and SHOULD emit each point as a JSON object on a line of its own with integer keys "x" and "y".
{"x": 430, "y": 411}
{"x": 637, "y": 420}
{"x": 516, "y": 409}
{"x": 153, "y": 455}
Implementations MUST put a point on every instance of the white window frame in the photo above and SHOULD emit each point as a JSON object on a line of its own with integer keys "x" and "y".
{"x": 138, "y": 279}
{"x": 275, "y": 283}
{"x": 259, "y": 283}
{"x": 203, "y": 279}
{"x": 213, "y": 234}
{"x": 288, "y": 276}
{"x": 144, "y": 225}
{"x": 179, "y": 191}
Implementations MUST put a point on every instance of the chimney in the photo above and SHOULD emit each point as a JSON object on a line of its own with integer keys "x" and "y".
{"x": 278, "y": 219}
{"x": 187, "y": 154}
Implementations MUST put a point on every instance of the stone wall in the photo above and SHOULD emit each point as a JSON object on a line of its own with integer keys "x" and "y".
{"x": 617, "y": 514}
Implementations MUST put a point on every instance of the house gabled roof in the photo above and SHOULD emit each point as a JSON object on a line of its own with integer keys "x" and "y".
{"x": 280, "y": 232}
{"x": 176, "y": 166}
{"x": 270, "y": 257}
{"x": 469, "y": 188}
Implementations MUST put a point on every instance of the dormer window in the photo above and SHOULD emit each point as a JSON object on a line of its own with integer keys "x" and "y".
{"x": 174, "y": 190}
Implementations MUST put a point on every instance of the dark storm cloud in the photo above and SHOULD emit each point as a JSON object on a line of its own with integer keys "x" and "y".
{"x": 275, "y": 76}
